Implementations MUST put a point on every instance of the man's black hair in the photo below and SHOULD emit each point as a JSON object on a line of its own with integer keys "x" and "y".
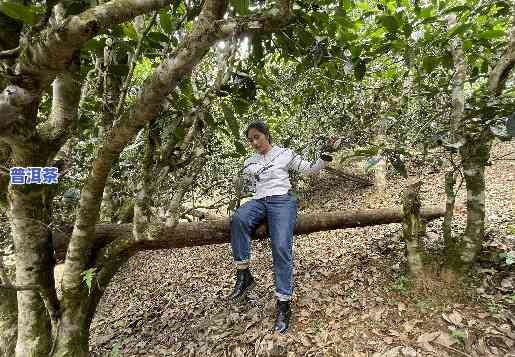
{"x": 261, "y": 127}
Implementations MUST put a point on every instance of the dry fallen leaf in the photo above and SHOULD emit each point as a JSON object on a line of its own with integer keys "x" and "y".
{"x": 408, "y": 352}
{"x": 445, "y": 339}
{"x": 427, "y": 346}
{"x": 428, "y": 337}
{"x": 454, "y": 318}
{"x": 394, "y": 352}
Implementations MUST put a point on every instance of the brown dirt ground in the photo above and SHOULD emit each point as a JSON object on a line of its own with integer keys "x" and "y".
{"x": 352, "y": 297}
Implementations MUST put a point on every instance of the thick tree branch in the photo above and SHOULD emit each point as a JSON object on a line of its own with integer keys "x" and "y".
{"x": 49, "y": 53}
{"x": 270, "y": 22}
{"x": 12, "y": 53}
{"x": 12, "y": 98}
{"x": 501, "y": 71}
{"x": 65, "y": 102}
{"x": 218, "y": 231}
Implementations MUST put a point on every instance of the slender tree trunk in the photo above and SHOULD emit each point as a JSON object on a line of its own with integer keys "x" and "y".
{"x": 450, "y": 181}
{"x": 380, "y": 167}
{"x": 475, "y": 155}
{"x": 458, "y": 108}
{"x": 107, "y": 208}
{"x": 380, "y": 176}
{"x": 73, "y": 335}
{"x": 411, "y": 228}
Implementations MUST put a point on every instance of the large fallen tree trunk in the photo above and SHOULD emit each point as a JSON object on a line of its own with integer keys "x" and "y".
{"x": 217, "y": 231}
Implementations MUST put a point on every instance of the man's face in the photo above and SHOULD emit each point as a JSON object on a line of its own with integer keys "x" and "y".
{"x": 258, "y": 140}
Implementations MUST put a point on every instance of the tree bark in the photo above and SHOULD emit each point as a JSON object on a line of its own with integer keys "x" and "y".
{"x": 411, "y": 228}
{"x": 8, "y": 314}
{"x": 8, "y": 322}
{"x": 218, "y": 231}
{"x": 456, "y": 120}
{"x": 475, "y": 155}
{"x": 33, "y": 267}
{"x": 449, "y": 243}
{"x": 500, "y": 73}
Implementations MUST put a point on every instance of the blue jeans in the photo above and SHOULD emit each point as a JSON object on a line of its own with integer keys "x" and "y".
{"x": 280, "y": 213}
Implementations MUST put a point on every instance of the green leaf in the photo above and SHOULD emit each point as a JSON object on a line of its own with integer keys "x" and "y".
{"x": 231, "y": 120}
{"x": 158, "y": 37}
{"x": 371, "y": 151}
{"x": 240, "y": 148}
{"x": 490, "y": 34}
{"x": 241, "y": 105}
{"x": 446, "y": 60}
{"x": 389, "y": 22}
{"x": 17, "y": 11}
{"x": 165, "y": 20}
{"x": 456, "y": 9}
{"x": 117, "y": 31}
{"x": 343, "y": 35}
{"x": 179, "y": 134}
{"x": 460, "y": 29}
{"x": 241, "y": 6}
{"x": 467, "y": 45}
{"x": 88, "y": 276}
{"x": 94, "y": 44}
{"x": 356, "y": 51}
{"x": 343, "y": 20}
{"x": 426, "y": 12}
{"x": 429, "y": 63}
{"x": 363, "y": 5}
{"x": 129, "y": 31}
{"x": 346, "y": 4}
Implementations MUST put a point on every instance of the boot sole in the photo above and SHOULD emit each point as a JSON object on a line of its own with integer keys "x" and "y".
{"x": 244, "y": 293}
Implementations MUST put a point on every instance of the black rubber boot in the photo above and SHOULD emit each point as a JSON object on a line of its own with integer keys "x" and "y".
{"x": 283, "y": 316}
{"x": 244, "y": 283}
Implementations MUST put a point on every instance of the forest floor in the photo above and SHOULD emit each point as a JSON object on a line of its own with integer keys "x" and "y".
{"x": 352, "y": 293}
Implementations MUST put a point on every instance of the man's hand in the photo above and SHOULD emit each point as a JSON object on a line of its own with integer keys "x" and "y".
{"x": 331, "y": 145}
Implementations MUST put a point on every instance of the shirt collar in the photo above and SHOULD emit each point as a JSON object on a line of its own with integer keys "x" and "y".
{"x": 272, "y": 150}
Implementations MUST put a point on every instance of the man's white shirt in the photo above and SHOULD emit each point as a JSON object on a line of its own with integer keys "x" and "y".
{"x": 270, "y": 171}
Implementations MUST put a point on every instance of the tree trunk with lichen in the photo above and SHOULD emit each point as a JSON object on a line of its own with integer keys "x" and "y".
{"x": 34, "y": 268}
{"x": 412, "y": 228}
{"x": 475, "y": 155}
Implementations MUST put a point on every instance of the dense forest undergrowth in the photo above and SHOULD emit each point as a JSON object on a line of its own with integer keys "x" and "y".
{"x": 352, "y": 298}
